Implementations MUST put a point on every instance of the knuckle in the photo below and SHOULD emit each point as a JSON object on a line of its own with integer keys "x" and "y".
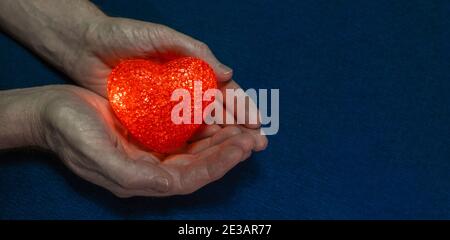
{"x": 246, "y": 142}
{"x": 233, "y": 130}
{"x": 161, "y": 29}
{"x": 216, "y": 175}
{"x": 202, "y": 46}
{"x": 213, "y": 173}
{"x": 121, "y": 194}
{"x": 187, "y": 191}
{"x": 59, "y": 110}
{"x": 186, "y": 187}
{"x": 128, "y": 182}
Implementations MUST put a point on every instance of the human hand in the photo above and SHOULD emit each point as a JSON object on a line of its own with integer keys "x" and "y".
{"x": 80, "y": 40}
{"x": 109, "y": 40}
{"x": 80, "y": 127}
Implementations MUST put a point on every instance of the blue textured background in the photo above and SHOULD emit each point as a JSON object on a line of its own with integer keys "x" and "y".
{"x": 365, "y": 113}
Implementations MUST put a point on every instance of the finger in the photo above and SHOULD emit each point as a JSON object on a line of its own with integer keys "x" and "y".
{"x": 94, "y": 174}
{"x": 216, "y": 161}
{"x": 202, "y": 171}
{"x": 217, "y": 138}
{"x": 186, "y": 45}
{"x": 195, "y": 171}
{"x": 131, "y": 174}
{"x": 205, "y": 132}
{"x": 245, "y": 141}
{"x": 250, "y": 111}
{"x": 97, "y": 178}
{"x": 247, "y": 155}
{"x": 141, "y": 176}
{"x": 116, "y": 189}
{"x": 261, "y": 141}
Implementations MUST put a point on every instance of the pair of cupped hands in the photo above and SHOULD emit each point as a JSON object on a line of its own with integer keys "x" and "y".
{"x": 78, "y": 124}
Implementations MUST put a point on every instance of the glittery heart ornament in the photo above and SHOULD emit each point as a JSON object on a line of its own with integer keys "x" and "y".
{"x": 140, "y": 90}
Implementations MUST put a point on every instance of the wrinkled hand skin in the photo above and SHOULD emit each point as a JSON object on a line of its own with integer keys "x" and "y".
{"x": 84, "y": 43}
{"x": 77, "y": 124}
{"x": 109, "y": 40}
{"x": 81, "y": 129}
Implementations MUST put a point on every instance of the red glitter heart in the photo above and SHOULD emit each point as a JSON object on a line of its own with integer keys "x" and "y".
{"x": 139, "y": 92}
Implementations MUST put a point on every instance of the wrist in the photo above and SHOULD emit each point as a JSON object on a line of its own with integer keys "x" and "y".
{"x": 25, "y": 115}
{"x": 65, "y": 44}
{"x": 54, "y": 29}
{"x": 21, "y": 122}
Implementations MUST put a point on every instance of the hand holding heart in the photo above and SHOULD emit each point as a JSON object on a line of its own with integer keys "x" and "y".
{"x": 109, "y": 40}
{"x": 99, "y": 152}
{"x": 121, "y": 165}
{"x": 80, "y": 125}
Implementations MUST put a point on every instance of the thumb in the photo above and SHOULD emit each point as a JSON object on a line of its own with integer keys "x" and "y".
{"x": 137, "y": 177}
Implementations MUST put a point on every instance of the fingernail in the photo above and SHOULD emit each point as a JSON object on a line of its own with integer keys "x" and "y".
{"x": 161, "y": 184}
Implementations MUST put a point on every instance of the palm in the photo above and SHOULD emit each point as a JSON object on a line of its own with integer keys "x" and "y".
{"x": 112, "y": 160}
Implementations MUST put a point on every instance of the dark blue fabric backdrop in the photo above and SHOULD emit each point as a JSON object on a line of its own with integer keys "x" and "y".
{"x": 364, "y": 133}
